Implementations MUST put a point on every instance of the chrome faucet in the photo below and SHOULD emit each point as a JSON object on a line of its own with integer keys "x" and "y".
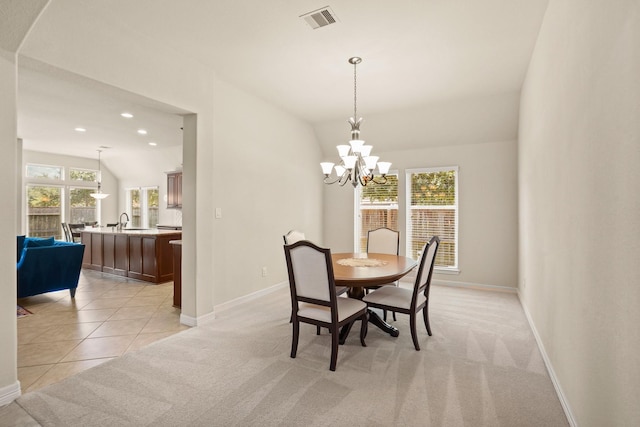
{"x": 122, "y": 225}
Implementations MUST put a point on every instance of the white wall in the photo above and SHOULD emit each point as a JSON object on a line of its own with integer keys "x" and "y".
{"x": 266, "y": 182}
{"x": 109, "y": 184}
{"x": 579, "y": 187}
{"x": 9, "y": 386}
{"x": 488, "y": 228}
{"x": 478, "y": 135}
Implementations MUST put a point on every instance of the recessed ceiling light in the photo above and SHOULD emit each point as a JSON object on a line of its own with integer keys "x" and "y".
{"x": 153, "y": 144}
{"x": 80, "y": 129}
{"x": 127, "y": 115}
{"x": 142, "y": 131}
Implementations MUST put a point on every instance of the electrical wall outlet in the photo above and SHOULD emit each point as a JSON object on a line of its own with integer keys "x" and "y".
{"x": 264, "y": 271}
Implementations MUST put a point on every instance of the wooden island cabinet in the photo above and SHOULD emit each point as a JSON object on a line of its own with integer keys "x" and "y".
{"x": 139, "y": 254}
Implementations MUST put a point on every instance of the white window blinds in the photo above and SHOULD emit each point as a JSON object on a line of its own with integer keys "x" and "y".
{"x": 432, "y": 210}
{"x": 377, "y": 206}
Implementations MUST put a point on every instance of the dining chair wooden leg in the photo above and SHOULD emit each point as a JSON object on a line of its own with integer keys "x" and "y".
{"x": 425, "y": 314}
{"x": 335, "y": 336}
{"x": 317, "y": 330}
{"x": 384, "y": 315}
{"x": 294, "y": 339}
{"x": 345, "y": 331}
{"x": 414, "y": 333}
{"x": 364, "y": 328}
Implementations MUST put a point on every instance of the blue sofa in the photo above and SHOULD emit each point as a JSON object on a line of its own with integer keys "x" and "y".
{"x": 47, "y": 265}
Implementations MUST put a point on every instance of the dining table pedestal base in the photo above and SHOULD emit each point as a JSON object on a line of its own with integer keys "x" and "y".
{"x": 358, "y": 271}
{"x": 374, "y": 318}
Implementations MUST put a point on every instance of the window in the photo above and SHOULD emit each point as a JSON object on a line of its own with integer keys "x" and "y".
{"x": 44, "y": 211}
{"x": 142, "y": 206}
{"x": 377, "y": 206}
{"x": 82, "y": 207}
{"x": 432, "y": 209}
{"x": 44, "y": 171}
{"x": 153, "y": 204}
{"x": 51, "y": 200}
{"x": 83, "y": 175}
{"x": 133, "y": 206}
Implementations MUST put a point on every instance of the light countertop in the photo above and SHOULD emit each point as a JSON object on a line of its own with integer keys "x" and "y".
{"x": 130, "y": 231}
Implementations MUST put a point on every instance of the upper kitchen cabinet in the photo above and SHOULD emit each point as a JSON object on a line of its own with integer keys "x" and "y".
{"x": 174, "y": 190}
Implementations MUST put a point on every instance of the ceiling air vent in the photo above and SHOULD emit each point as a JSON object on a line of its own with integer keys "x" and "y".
{"x": 320, "y": 18}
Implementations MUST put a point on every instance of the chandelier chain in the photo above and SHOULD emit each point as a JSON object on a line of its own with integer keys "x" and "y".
{"x": 355, "y": 93}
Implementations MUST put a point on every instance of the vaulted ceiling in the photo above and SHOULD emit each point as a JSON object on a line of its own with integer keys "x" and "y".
{"x": 417, "y": 54}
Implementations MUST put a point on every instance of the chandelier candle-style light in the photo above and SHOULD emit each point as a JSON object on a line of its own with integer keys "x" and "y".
{"x": 356, "y": 164}
{"x": 99, "y": 194}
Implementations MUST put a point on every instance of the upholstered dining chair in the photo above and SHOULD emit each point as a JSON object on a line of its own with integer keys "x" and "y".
{"x": 410, "y": 301}
{"x": 314, "y": 299}
{"x": 75, "y": 230}
{"x": 67, "y": 232}
{"x": 294, "y": 236}
{"x": 384, "y": 241}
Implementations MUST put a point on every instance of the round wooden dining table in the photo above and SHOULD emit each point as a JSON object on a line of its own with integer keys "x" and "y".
{"x": 358, "y": 271}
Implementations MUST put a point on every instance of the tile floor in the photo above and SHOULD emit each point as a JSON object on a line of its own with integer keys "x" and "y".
{"x": 109, "y": 316}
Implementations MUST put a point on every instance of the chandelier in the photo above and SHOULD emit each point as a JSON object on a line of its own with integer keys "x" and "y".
{"x": 99, "y": 194}
{"x": 356, "y": 162}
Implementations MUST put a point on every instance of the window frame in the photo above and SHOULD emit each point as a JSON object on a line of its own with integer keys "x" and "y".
{"x": 44, "y": 179}
{"x": 144, "y": 205}
{"x": 455, "y": 269}
{"x": 65, "y": 183}
{"x": 357, "y": 220}
{"x": 63, "y": 195}
{"x": 74, "y": 169}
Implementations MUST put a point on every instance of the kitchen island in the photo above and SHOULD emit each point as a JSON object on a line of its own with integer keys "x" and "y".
{"x": 139, "y": 254}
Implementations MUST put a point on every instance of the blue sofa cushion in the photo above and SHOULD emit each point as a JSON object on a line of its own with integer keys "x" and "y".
{"x": 37, "y": 242}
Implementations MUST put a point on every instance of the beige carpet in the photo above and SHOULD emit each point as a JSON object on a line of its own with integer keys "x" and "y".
{"x": 480, "y": 368}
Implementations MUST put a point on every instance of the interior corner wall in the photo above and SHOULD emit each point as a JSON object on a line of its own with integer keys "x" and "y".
{"x": 488, "y": 202}
{"x": 579, "y": 206}
{"x": 265, "y": 184}
{"x": 9, "y": 386}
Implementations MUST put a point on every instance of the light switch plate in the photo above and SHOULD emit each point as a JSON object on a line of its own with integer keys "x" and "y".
{"x": 218, "y": 213}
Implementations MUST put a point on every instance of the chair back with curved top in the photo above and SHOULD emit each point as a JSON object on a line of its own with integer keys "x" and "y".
{"x": 425, "y": 269}
{"x": 75, "y": 230}
{"x": 293, "y": 236}
{"x": 312, "y": 273}
{"x": 383, "y": 241}
{"x": 313, "y": 296}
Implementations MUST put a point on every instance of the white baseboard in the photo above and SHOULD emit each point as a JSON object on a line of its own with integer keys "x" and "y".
{"x": 9, "y": 393}
{"x": 252, "y": 296}
{"x": 193, "y": 321}
{"x": 480, "y": 286}
{"x": 547, "y": 362}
